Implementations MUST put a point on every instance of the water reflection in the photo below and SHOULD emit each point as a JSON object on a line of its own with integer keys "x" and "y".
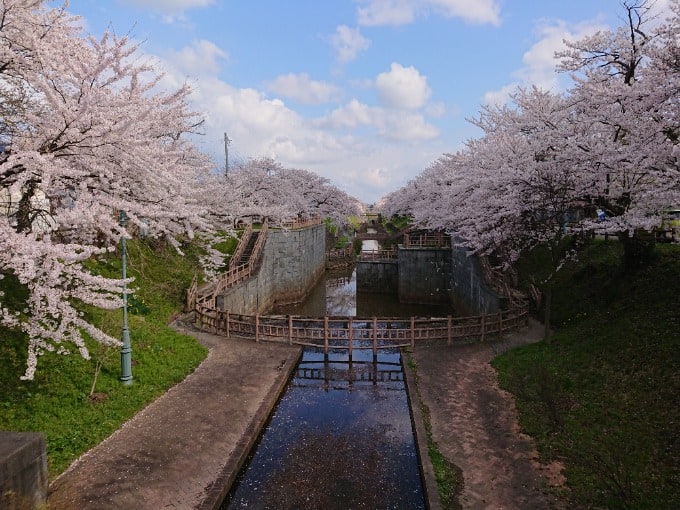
{"x": 336, "y": 294}
{"x": 336, "y": 441}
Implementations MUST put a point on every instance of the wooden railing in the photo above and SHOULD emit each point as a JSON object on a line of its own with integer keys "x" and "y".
{"x": 357, "y": 333}
{"x": 206, "y": 294}
{"x": 192, "y": 294}
{"x": 339, "y": 253}
{"x": 377, "y": 255}
{"x": 301, "y": 223}
{"x": 429, "y": 240}
{"x": 243, "y": 243}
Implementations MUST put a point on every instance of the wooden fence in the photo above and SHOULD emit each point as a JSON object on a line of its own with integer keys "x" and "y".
{"x": 377, "y": 255}
{"x": 301, "y": 223}
{"x": 358, "y": 333}
{"x": 240, "y": 248}
{"x": 428, "y": 240}
{"x": 206, "y": 294}
{"x": 340, "y": 332}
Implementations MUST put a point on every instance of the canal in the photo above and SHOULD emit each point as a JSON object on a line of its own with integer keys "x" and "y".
{"x": 341, "y": 435}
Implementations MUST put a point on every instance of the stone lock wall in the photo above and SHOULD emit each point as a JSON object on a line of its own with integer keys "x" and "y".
{"x": 378, "y": 276}
{"x": 468, "y": 287}
{"x": 424, "y": 275}
{"x": 292, "y": 263}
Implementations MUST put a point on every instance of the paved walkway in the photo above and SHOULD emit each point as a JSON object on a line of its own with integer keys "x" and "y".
{"x": 183, "y": 450}
{"x": 475, "y": 426}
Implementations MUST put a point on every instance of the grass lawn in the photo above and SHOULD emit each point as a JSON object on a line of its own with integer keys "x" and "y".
{"x": 604, "y": 396}
{"x": 65, "y": 402}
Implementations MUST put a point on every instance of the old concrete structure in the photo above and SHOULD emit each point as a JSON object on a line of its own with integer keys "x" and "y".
{"x": 424, "y": 275}
{"x": 292, "y": 263}
{"x": 469, "y": 289}
{"x": 378, "y": 276}
{"x": 23, "y": 470}
{"x": 431, "y": 275}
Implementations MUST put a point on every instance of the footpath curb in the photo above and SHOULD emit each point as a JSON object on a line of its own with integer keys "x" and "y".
{"x": 220, "y": 488}
{"x": 430, "y": 488}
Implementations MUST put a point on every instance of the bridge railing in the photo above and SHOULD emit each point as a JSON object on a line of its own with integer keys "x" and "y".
{"x": 358, "y": 333}
{"x": 302, "y": 223}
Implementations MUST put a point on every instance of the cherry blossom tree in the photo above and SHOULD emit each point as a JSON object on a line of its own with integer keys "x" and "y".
{"x": 263, "y": 188}
{"x": 610, "y": 142}
{"x": 625, "y": 98}
{"x": 86, "y": 135}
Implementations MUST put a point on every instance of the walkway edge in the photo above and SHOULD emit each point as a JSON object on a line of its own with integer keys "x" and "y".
{"x": 430, "y": 487}
{"x": 216, "y": 494}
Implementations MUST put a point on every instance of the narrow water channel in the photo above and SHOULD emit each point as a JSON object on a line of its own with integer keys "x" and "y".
{"x": 341, "y": 435}
{"x": 340, "y": 438}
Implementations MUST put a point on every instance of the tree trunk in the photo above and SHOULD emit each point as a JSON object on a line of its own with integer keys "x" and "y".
{"x": 547, "y": 302}
{"x": 638, "y": 250}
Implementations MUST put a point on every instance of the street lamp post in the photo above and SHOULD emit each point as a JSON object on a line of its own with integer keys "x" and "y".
{"x": 126, "y": 349}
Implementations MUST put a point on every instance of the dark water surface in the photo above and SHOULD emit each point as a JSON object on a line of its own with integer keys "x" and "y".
{"x": 336, "y": 294}
{"x": 341, "y": 436}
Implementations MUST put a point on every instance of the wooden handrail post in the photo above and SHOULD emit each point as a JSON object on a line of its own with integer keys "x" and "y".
{"x": 349, "y": 333}
{"x": 227, "y": 325}
{"x": 448, "y": 330}
{"x": 481, "y": 339}
{"x": 375, "y": 337}
{"x": 325, "y": 335}
{"x": 413, "y": 332}
{"x": 290, "y": 330}
{"x": 257, "y": 327}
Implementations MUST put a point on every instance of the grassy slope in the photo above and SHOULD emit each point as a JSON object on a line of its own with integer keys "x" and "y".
{"x": 58, "y": 401}
{"x": 603, "y": 396}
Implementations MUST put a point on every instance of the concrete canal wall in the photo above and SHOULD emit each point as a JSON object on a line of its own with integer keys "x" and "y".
{"x": 292, "y": 262}
{"x": 378, "y": 276}
{"x": 469, "y": 289}
{"x": 424, "y": 275}
{"x": 432, "y": 276}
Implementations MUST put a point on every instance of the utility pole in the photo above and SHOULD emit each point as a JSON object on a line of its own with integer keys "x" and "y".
{"x": 227, "y": 141}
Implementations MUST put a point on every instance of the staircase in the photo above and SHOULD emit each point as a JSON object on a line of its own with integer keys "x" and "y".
{"x": 248, "y": 250}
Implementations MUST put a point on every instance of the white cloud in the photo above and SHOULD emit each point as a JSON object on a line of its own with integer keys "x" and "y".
{"x": 172, "y": 11}
{"x": 403, "y": 12}
{"x": 348, "y": 43}
{"x": 202, "y": 57}
{"x": 363, "y": 149}
{"x": 407, "y": 127}
{"x": 171, "y": 6}
{"x": 388, "y": 124}
{"x": 301, "y": 88}
{"x": 352, "y": 115}
{"x": 402, "y": 88}
{"x": 500, "y": 96}
{"x": 539, "y": 61}
{"x": 386, "y": 12}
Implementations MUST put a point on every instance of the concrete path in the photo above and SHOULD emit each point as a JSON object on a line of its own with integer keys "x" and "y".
{"x": 475, "y": 426}
{"x": 182, "y": 450}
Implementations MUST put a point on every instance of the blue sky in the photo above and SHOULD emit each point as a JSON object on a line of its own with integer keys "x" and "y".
{"x": 365, "y": 92}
